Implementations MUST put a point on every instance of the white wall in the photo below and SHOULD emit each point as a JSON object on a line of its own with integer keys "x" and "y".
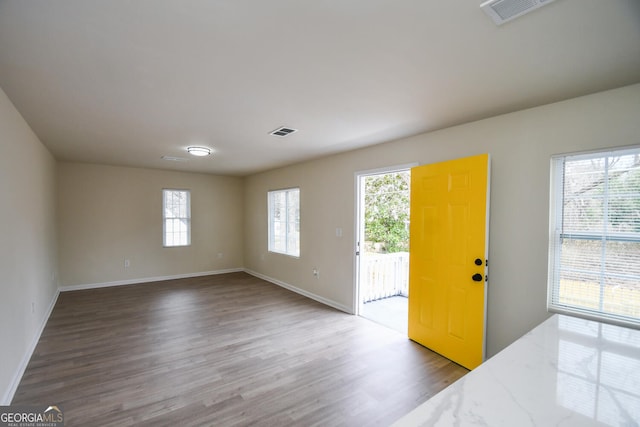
{"x": 107, "y": 214}
{"x": 520, "y": 145}
{"x": 28, "y": 255}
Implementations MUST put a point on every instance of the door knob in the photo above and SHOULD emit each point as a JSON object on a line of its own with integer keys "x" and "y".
{"x": 477, "y": 277}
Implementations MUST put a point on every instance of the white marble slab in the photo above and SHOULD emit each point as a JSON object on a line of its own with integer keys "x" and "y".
{"x": 566, "y": 372}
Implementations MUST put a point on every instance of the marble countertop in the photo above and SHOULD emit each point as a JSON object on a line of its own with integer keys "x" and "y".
{"x": 565, "y": 372}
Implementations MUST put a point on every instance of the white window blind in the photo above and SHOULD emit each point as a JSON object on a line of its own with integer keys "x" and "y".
{"x": 176, "y": 214}
{"x": 284, "y": 221}
{"x": 594, "y": 264}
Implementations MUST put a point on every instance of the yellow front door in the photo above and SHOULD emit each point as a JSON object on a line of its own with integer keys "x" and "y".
{"x": 448, "y": 258}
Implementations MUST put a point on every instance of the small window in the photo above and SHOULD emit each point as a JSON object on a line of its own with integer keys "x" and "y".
{"x": 594, "y": 260}
{"x": 284, "y": 221}
{"x": 176, "y": 213}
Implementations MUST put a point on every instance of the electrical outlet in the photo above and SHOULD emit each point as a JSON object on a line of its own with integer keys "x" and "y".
{"x": 316, "y": 273}
{"x": 220, "y": 255}
{"x": 127, "y": 263}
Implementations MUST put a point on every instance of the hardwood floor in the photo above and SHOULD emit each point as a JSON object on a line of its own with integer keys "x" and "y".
{"x": 225, "y": 350}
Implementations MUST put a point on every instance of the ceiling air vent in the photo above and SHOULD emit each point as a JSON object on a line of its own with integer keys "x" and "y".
{"x": 174, "y": 159}
{"x": 283, "y": 131}
{"x": 502, "y": 11}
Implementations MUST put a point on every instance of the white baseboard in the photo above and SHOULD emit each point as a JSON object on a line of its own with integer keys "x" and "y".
{"x": 146, "y": 280}
{"x": 302, "y": 292}
{"x": 11, "y": 391}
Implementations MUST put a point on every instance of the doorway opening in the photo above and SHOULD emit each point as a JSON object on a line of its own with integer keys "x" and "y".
{"x": 383, "y": 247}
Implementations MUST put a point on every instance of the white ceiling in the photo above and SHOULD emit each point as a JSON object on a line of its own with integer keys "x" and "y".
{"x": 125, "y": 82}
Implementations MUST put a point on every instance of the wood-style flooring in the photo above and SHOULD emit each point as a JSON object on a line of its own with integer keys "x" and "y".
{"x": 224, "y": 350}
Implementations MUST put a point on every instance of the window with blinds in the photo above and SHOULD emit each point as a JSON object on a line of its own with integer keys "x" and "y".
{"x": 284, "y": 221}
{"x": 594, "y": 261}
{"x": 176, "y": 217}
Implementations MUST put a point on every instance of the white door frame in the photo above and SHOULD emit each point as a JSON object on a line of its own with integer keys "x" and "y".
{"x": 359, "y": 223}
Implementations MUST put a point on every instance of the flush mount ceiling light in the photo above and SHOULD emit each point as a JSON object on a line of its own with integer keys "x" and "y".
{"x": 199, "y": 151}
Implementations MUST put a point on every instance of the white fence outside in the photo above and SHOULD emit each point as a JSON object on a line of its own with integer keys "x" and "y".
{"x": 383, "y": 275}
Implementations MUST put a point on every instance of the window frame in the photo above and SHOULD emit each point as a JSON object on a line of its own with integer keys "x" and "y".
{"x": 271, "y": 246}
{"x": 556, "y": 234}
{"x": 186, "y": 218}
